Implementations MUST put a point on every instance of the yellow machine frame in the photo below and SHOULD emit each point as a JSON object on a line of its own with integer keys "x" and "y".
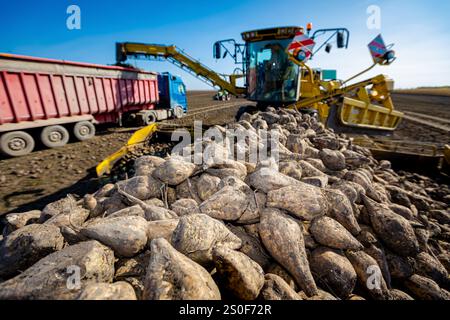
{"x": 358, "y": 107}
{"x": 366, "y": 104}
{"x": 361, "y": 108}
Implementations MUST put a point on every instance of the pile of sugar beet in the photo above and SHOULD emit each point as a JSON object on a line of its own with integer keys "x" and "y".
{"x": 325, "y": 221}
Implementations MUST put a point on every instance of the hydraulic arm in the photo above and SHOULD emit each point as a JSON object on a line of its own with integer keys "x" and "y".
{"x": 181, "y": 60}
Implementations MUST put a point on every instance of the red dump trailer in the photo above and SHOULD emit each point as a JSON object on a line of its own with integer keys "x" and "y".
{"x": 50, "y": 100}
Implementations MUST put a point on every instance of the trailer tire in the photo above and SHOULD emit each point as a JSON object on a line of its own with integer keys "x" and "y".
{"x": 54, "y": 136}
{"x": 16, "y": 144}
{"x": 149, "y": 118}
{"x": 84, "y": 130}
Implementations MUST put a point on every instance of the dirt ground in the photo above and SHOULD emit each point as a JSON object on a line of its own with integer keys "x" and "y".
{"x": 45, "y": 176}
{"x": 439, "y": 91}
{"x": 436, "y": 106}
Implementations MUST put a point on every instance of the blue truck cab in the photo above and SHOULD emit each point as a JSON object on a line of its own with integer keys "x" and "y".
{"x": 172, "y": 92}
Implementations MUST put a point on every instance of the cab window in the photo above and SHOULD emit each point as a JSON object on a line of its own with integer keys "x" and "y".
{"x": 181, "y": 89}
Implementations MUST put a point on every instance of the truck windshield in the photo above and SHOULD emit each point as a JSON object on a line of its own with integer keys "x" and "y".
{"x": 272, "y": 77}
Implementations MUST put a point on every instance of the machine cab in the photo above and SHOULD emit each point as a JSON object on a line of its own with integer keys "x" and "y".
{"x": 172, "y": 91}
{"x": 271, "y": 76}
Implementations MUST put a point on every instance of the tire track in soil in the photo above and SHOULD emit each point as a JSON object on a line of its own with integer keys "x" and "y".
{"x": 425, "y": 106}
{"x": 47, "y": 175}
{"x": 427, "y": 117}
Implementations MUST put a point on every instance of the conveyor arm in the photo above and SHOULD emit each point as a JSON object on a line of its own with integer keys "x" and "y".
{"x": 181, "y": 60}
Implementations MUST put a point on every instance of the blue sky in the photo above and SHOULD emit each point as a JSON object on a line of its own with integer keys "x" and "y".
{"x": 420, "y": 30}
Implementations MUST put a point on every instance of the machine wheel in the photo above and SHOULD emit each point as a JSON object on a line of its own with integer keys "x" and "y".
{"x": 84, "y": 130}
{"x": 16, "y": 144}
{"x": 178, "y": 112}
{"x": 54, "y": 136}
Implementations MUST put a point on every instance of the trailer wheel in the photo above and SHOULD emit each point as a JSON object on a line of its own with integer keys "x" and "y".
{"x": 149, "y": 118}
{"x": 84, "y": 130}
{"x": 16, "y": 144}
{"x": 54, "y": 136}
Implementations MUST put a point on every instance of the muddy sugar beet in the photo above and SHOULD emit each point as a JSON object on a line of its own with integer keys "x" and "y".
{"x": 313, "y": 218}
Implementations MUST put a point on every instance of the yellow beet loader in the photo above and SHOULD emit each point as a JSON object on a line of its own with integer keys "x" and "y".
{"x": 273, "y": 66}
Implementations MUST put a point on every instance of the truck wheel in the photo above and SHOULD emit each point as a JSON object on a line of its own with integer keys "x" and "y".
{"x": 149, "y": 118}
{"x": 54, "y": 136}
{"x": 178, "y": 112}
{"x": 16, "y": 144}
{"x": 84, "y": 130}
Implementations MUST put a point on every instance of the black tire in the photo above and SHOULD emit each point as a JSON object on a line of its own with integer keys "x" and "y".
{"x": 149, "y": 118}
{"x": 178, "y": 112}
{"x": 129, "y": 119}
{"x": 84, "y": 130}
{"x": 16, "y": 144}
{"x": 54, "y": 136}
